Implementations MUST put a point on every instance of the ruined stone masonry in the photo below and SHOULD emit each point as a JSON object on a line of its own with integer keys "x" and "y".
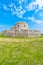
{"x": 21, "y": 30}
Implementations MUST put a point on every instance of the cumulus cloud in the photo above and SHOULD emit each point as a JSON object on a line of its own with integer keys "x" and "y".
{"x": 40, "y": 5}
{"x": 37, "y": 4}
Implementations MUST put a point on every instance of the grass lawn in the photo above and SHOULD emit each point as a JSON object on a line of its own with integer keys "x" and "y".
{"x": 21, "y": 51}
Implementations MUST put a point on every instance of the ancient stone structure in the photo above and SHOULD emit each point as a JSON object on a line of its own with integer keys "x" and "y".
{"x": 21, "y": 30}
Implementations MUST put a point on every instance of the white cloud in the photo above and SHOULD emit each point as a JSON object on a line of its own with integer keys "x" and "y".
{"x": 12, "y": 10}
{"x": 35, "y": 20}
{"x": 20, "y": 11}
{"x": 21, "y": 1}
{"x": 41, "y": 14}
{"x": 39, "y": 3}
{"x": 20, "y": 16}
{"x": 32, "y": 5}
{"x": 11, "y": 5}
{"x": 14, "y": 6}
{"x": 5, "y": 7}
{"x": 20, "y": 8}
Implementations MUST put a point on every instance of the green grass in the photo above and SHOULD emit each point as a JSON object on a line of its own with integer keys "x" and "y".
{"x": 21, "y": 51}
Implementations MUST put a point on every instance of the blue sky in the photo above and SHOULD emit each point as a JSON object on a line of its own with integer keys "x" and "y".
{"x": 13, "y": 11}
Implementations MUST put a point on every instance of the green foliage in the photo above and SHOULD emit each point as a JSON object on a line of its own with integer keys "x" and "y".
{"x": 21, "y": 51}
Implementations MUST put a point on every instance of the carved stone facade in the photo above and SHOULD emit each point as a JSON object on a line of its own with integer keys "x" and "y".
{"x": 21, "y": 30}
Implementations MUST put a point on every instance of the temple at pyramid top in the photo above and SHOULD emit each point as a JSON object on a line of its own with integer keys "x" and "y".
{"x": 20, "y": 26}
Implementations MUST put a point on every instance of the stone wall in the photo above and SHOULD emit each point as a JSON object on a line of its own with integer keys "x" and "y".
{"x": 21, "y": 30}
{"x": 33, "y": 33}
{"x": 23, "y": 33}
